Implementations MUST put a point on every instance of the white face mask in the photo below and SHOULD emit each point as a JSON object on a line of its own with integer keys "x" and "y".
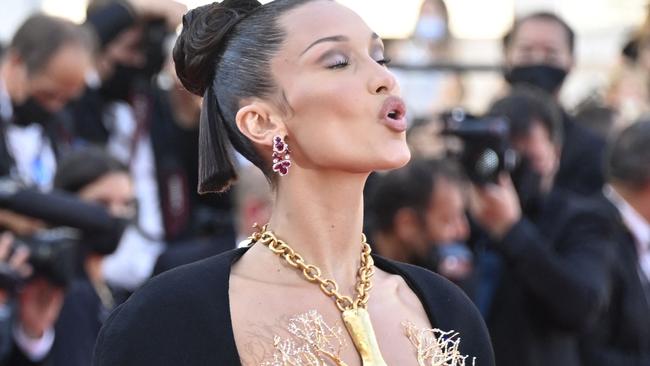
{"x": 431, "y": 28}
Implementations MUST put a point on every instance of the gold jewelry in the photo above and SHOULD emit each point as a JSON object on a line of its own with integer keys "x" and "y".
{"x": 354, "y": 313}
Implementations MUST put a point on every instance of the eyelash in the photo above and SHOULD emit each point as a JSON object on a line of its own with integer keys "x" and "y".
{"x": 340, "y": 64}
{"x": 345, "y": 62}
{"x": 384, "y": 61}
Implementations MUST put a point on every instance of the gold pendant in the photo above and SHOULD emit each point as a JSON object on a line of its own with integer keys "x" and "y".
{"x": 357, "y": 322}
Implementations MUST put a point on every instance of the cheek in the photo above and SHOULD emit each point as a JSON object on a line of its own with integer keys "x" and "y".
{"x": 335, "y": 124}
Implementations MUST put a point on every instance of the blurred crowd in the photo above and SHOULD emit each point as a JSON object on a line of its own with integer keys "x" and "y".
{"x": 539, "y": 213}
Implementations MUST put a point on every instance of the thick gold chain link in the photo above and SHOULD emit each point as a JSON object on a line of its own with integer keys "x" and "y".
{"x": 313, "y": 273}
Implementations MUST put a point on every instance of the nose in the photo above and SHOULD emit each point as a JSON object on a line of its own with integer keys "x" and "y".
{"x": 381, "y": 80}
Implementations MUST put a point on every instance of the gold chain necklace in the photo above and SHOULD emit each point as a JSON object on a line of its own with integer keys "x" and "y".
{"x": 354, "y": 313}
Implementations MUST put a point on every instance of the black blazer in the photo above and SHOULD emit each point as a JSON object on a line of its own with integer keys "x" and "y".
{"x": 582, "y": 160}
{"x": 550, "y": 286}
{"x": 622, "y": 335}
{"x": 182, "y": 317}
{"x": 18, "y": 358}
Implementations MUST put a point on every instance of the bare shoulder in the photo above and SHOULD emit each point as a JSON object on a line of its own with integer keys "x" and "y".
{"x": 396, "y": 286}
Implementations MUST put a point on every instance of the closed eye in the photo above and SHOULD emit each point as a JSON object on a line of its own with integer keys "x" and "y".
{"x": 339, "y": 64}
{"x": 384, "y": 61}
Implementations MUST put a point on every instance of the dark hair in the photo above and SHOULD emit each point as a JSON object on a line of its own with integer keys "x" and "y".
{"x": 526, "y": 104}
{"x": 628, "y": 156}
{"x": 411, "y": 186}
{"x": 544, "y": 16}
{"x": 41, "y": 36}
{"x": 83, "y": 167}
{"x": 224, "y": 54}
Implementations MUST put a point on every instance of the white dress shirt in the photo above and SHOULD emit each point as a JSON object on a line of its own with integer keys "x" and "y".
{"x": 30, "y": 148}
{"x": 638, "y": 226}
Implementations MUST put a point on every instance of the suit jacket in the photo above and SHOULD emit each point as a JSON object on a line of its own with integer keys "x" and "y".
{"x": 550, "y": 284}
{"x": 622, "y": 335}
{"x": 182, "y": 317}
{"x": 77, "y": 327}
{"x": 581, "y": 163}
{"x": 18, "y": 358}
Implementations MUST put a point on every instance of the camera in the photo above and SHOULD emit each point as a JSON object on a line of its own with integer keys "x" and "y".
{"x": 485, "y": 149}
{"x": 78, "y": 226}
{"x": 53, "y": 254}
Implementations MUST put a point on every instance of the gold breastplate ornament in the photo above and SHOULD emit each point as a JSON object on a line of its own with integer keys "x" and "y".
{"x": 315, "y": 343}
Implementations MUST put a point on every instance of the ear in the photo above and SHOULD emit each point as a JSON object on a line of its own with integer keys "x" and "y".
{"x": 14, "y": 58}
{"x": 258, "y": 121}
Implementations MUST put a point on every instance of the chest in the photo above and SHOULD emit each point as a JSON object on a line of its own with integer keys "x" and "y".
{"x": 302, "y": 326}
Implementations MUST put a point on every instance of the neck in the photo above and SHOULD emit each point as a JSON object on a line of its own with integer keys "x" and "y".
{"x": 321, "y": 217}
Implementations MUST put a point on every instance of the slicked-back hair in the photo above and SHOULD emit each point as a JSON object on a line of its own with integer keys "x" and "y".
{"x": 224, "y": 54}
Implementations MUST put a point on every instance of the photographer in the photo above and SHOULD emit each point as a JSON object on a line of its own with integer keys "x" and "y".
{"x": 26, "y": 318}
{"x": 96, "y": 178}
{"x": 417, "y": 216}
{"x": 539, "y": 50}
{"x": 622, "y": 336}
{"x": 42, "y": 69}
{"x": 545, "y": 252}
{"x": 150, "y": 124}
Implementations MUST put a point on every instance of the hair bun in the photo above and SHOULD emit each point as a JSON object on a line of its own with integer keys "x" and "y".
{"x": 199, "y": 44}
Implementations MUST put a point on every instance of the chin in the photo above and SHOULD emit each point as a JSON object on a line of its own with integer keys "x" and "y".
{"x": 395, "y": 158}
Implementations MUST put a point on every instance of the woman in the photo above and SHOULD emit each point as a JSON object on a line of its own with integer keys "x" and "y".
{"x": 300, "y": 88}
{"x": 95, "y": 177}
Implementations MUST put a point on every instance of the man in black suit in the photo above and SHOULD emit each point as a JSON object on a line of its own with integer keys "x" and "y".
{"x": 539, "y": 50}
{"x": 43, "y": 68}
{"x": 542, "y": 261}
{"x": 622, "y": 336}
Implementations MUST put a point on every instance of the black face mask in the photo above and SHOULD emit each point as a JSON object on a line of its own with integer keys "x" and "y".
{"x": 120, "y": 85}
{"x": 30, "y": 111}
{"x": 106, "y": 243}
{"x": 546, "y": 77}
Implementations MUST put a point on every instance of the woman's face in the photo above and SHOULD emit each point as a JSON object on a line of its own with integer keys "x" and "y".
{"x": 114, "y": 191}
{"x": 346, "y": 114}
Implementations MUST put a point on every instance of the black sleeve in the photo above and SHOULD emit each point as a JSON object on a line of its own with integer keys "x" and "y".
{"x": 601, "y": 355}
{"x": 179, "y": 318}
{"x": 568, "y": 277}
{"x": 75, "y": 337}
{"x": 18, "y": 358}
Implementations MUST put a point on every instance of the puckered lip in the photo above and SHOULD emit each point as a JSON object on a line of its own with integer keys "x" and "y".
{"x": 393, "y": 114}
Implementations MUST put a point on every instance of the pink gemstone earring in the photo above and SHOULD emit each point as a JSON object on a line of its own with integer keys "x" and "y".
{"x": 281, "y": 158}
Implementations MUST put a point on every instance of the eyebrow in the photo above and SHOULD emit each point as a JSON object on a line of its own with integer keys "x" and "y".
{"x": 339, "y": 38}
